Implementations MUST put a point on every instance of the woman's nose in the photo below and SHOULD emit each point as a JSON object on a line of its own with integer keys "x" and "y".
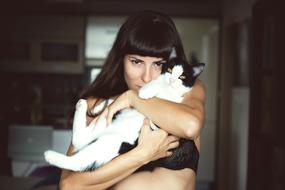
{"x": 147, "y": 76}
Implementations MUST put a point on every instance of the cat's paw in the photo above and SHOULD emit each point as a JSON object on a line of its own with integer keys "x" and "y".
{"x": 51, "y": 157}
{"x": 147, "y": 92}
{"x": 81, "y": 105}
{"x": 79, "y": 120}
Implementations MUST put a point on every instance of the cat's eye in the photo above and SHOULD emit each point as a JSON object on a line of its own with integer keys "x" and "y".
{"x": 169, "y": 70}
{"x": 182, "y": 77}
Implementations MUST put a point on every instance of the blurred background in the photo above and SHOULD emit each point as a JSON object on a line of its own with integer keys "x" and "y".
{"x": 52, "y": 49}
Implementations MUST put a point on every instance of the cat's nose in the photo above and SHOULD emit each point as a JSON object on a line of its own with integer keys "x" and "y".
{"x": 171, "y": 80}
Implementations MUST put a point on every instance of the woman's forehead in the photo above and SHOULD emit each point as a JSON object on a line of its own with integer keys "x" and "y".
{"x": 145, "y": 58}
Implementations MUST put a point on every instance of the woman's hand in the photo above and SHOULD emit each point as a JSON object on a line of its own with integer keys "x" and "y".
{"x": 121, "y": 102}
{"x": 156, "y": 144}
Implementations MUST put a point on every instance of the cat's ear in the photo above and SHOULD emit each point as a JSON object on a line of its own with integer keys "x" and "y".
{"x": 173, "y": 54}
{"x": 197, "y": 69}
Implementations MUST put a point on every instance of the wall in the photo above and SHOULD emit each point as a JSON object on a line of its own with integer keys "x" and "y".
{"x": 236, "y": 10}
{"x": 239, "y": 138}
{"x": 201, "y": 36}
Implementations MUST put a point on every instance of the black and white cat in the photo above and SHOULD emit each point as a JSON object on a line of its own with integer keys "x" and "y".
{"x": 97, "y": 144}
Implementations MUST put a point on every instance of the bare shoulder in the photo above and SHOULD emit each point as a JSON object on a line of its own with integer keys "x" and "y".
{"x": 91, "y": 101}
{"x": 199, "y": 84}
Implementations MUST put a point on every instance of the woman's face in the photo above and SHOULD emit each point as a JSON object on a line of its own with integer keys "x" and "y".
{"x": 139, "y": 70}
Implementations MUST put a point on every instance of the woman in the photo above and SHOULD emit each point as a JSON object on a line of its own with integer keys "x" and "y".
{"x": 142, "y": 46}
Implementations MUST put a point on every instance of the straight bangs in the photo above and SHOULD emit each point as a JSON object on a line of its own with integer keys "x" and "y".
{"x": 152, "y": 40}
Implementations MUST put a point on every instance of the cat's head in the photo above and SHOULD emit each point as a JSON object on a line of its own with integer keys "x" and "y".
{"x": 181, "y": 74}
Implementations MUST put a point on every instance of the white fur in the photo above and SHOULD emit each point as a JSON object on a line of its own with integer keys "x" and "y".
{"x": 166, "y": 86}
{"x": 125, "y": 128}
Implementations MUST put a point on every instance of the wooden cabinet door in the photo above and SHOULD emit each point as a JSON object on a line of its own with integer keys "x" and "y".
{"x": 266, "y": 162}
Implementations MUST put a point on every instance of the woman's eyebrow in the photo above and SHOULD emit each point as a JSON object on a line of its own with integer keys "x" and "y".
{"x": 160, "y": 61}
{"x": 132, "y": 57}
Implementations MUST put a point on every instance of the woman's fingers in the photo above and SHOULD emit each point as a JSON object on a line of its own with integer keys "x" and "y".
{"x": 173, "y": 145}
{"x": 109, "y": 115}
{"x": 103, "y": 115}
{"x": 146, "y": 121}
{"x": 168, "y": 153}
{"x": 93, "y": 122}
{"x": 156, "y": 142}
{"x": 145, "y": 128}
{"x": 172, "y": 138}
{"x": 120, "y": 103}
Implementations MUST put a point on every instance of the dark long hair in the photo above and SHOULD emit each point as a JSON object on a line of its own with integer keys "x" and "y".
{"x": 145, "y": 33}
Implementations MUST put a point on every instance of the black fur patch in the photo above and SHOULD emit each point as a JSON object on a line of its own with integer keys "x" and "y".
{"x": 90, "y": 168}
{"x": 186, "y": 155}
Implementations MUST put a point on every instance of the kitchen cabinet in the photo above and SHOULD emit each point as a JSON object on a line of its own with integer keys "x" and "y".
{"x": 49, "y": 44}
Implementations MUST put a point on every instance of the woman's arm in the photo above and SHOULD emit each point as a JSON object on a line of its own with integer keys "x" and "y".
{"x": 151, "y": 146}
{"x": 103, "y": 177}
{"x": 184, "y": 119}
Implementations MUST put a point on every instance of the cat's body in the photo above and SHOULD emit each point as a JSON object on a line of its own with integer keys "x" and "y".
{"x": 96, "y": 145}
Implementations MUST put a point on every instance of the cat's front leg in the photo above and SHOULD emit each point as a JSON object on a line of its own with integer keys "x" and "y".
{"x": 82, "y": 134}
{"x": 99, "y": 108}
{"x": 99, "y": 125}
{"x": 149, "y": 90}
{"x": 80, "y": 130}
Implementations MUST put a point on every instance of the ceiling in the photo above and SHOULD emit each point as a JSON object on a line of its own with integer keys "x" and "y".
{"x": 195, "y": 8}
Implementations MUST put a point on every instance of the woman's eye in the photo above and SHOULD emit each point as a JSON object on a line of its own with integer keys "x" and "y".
{"x": 158, "y": 64}
{"x": 136, "y": 62}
